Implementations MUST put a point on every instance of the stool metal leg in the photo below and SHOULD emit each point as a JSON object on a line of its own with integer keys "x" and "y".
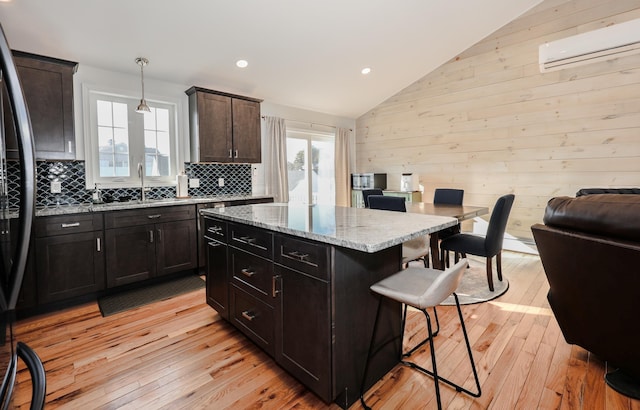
{"x": 416, "y": 347}
{"x": 434, "y": 373}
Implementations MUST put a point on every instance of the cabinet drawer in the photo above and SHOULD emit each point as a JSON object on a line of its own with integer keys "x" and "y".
{"x": 254, "y": 318}
{"x": 253, "y": 240}
{"x": 215, "y": 229}
{"x": 308, "y": 257}
{"x": 253, "y": 273}
{"x": 132, "y": 217}
{"x": 65, "y": 224}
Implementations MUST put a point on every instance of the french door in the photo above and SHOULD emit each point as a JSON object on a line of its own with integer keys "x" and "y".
{"x": 310, "y": 165}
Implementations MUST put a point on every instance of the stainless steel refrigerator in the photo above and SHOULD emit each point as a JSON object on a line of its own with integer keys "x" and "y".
{"x": 15, "y": 229}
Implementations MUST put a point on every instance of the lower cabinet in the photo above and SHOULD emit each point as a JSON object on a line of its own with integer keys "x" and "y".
{"x": 276, "y": 290}
{"x": 202, "y": 243}
{"x": 70, "y": 256}
{"x": 304, "y": 329}
{"x": 149, "y": 242}
{"x": 216, "y": 257}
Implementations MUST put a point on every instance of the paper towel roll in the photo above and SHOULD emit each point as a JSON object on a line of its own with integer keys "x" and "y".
{"x": 182, "y": 186}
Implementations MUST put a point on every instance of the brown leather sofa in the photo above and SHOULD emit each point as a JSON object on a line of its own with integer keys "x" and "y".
{"x": 590, "y": 250}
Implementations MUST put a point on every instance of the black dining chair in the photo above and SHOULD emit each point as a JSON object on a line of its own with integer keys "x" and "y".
{"x": 488, "y": 246}
{"x": 448, "y": 196}
{"x": 414, "y": 249}
{"x": 366, "y": 193}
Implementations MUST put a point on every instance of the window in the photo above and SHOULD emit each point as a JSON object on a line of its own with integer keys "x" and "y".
{"x": 310, "y": 164}
{"x": 121, "y": 139}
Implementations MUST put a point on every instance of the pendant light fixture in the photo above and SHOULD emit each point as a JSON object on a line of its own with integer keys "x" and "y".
{"x": 142, "y": 107}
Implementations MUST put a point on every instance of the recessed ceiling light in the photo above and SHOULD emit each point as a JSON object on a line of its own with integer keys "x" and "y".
{"x": 242, "y": 63}
{"x": 366, "y": 70}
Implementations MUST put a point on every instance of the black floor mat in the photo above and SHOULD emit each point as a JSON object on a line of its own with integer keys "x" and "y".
{"x": 120, "y": 302}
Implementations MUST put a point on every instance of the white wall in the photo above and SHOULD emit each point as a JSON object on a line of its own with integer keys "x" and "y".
{"x": 129, "y": 83}
{"x": 300, "y": 119}
{"x": 490, "y": 123}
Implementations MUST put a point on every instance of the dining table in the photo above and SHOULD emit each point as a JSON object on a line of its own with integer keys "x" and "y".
{"x": 460, "y": 212}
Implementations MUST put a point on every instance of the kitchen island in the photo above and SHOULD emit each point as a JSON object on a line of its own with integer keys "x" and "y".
{"x": 295, "y": 279}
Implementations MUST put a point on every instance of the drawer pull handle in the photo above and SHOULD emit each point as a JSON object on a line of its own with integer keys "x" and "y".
{"x": 248, "y": 315}
{"x": 248, "y": 272}
{"x": 230, "y": 155}
{"x": 216, "y": 230}
{"x": 236, "y": 154}
{"x": 274, "y": 290}
{"x": 251, "y": 241}
{"x": 302, "y": 257}
{"x": 155, "y": 216}
{"x": 98, "y": 245}
{"x": 71, "y": 225}
{"x": 151, "y": 236}
{"x": 214, "y": 244}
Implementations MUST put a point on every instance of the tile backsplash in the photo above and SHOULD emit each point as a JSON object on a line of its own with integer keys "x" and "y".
{"x": 71, "y": 174}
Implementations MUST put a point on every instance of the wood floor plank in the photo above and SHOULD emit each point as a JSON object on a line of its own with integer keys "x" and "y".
{"x": 179, "y": 354}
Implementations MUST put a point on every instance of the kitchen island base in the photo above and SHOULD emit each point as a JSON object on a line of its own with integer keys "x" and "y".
{"x": 306, "y": 303}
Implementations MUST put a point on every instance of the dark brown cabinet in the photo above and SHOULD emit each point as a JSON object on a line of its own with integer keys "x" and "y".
{"x": 70, "y": 256}
{"x": 215, "y": 238}
{"x": 278, "y": 294}
{"x": 304, "y": 329}
{"x": 307, "y": 304}
{"x": 202, "y": 242}
{"x": 223, "y": 127}
{"x": 48, "y": 89}
{"x": 150, "y": 242}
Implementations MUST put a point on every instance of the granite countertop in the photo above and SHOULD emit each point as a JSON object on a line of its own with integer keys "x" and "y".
{"x": 135, "y": 204}
{"x": 366, "y": 230}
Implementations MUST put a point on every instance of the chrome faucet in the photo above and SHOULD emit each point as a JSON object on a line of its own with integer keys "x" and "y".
{"x": 141, "y": 175}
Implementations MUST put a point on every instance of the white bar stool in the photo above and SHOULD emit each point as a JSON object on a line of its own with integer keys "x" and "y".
{"x": 423, "y": 288}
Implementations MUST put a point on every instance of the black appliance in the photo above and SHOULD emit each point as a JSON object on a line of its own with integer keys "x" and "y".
{"x": 15, "y": 230}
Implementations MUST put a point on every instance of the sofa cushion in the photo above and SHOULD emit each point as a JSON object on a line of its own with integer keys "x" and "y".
{"x": 610, "y": 215}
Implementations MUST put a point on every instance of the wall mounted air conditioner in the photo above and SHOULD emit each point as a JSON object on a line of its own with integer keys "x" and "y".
{"x": 597, "y": 45}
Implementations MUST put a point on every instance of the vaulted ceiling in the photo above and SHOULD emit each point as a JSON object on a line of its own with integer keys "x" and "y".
{"x": 301, "y": 53}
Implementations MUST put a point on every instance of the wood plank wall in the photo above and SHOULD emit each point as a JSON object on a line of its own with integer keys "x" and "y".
{"x": 490, "y": 123}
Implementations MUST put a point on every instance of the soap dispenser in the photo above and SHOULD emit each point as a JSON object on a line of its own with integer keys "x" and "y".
{"x": 96, "y": 197}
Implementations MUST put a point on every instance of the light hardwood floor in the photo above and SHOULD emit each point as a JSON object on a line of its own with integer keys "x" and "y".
{"x": 178, "y": 354}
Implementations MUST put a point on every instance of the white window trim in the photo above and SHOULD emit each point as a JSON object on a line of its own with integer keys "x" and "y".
{"x": 91, "y": 140}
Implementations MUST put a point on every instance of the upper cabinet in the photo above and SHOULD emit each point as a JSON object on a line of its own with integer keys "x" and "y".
{"x": 223, "y": 127}
{"x": 47, "y": 84}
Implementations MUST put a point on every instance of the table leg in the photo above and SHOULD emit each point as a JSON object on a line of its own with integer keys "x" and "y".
{"x": 434, "y": 239}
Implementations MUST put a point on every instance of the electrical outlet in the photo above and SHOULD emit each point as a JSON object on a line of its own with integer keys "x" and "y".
{"x": 56, "y": 187}
{"x": 194, "y": 183}
{"x": 220, "y": 182}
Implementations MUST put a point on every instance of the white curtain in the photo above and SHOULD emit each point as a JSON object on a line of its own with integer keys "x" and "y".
{"x": 276, "y": 181}
{"x": 343, "y": 166}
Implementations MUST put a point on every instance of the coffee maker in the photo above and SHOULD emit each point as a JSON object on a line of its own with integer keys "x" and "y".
{"x": 409, "y": 183}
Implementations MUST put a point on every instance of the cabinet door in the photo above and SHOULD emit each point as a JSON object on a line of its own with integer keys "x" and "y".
{"x": 69, "y": 265}
{"x": 304, "y": 329}
{"x": 246, "y": 131}
{"x": 130, "y": 254}
{"x": 214, "y": 127}
{"x": 48, "y": 89}
{"x": 176, "y": 246}
{"x": 217, "y": 280}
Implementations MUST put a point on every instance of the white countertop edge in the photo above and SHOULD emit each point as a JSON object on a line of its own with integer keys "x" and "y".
{"x": 136, "y": 204}
{"x": 364, "y": 246}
